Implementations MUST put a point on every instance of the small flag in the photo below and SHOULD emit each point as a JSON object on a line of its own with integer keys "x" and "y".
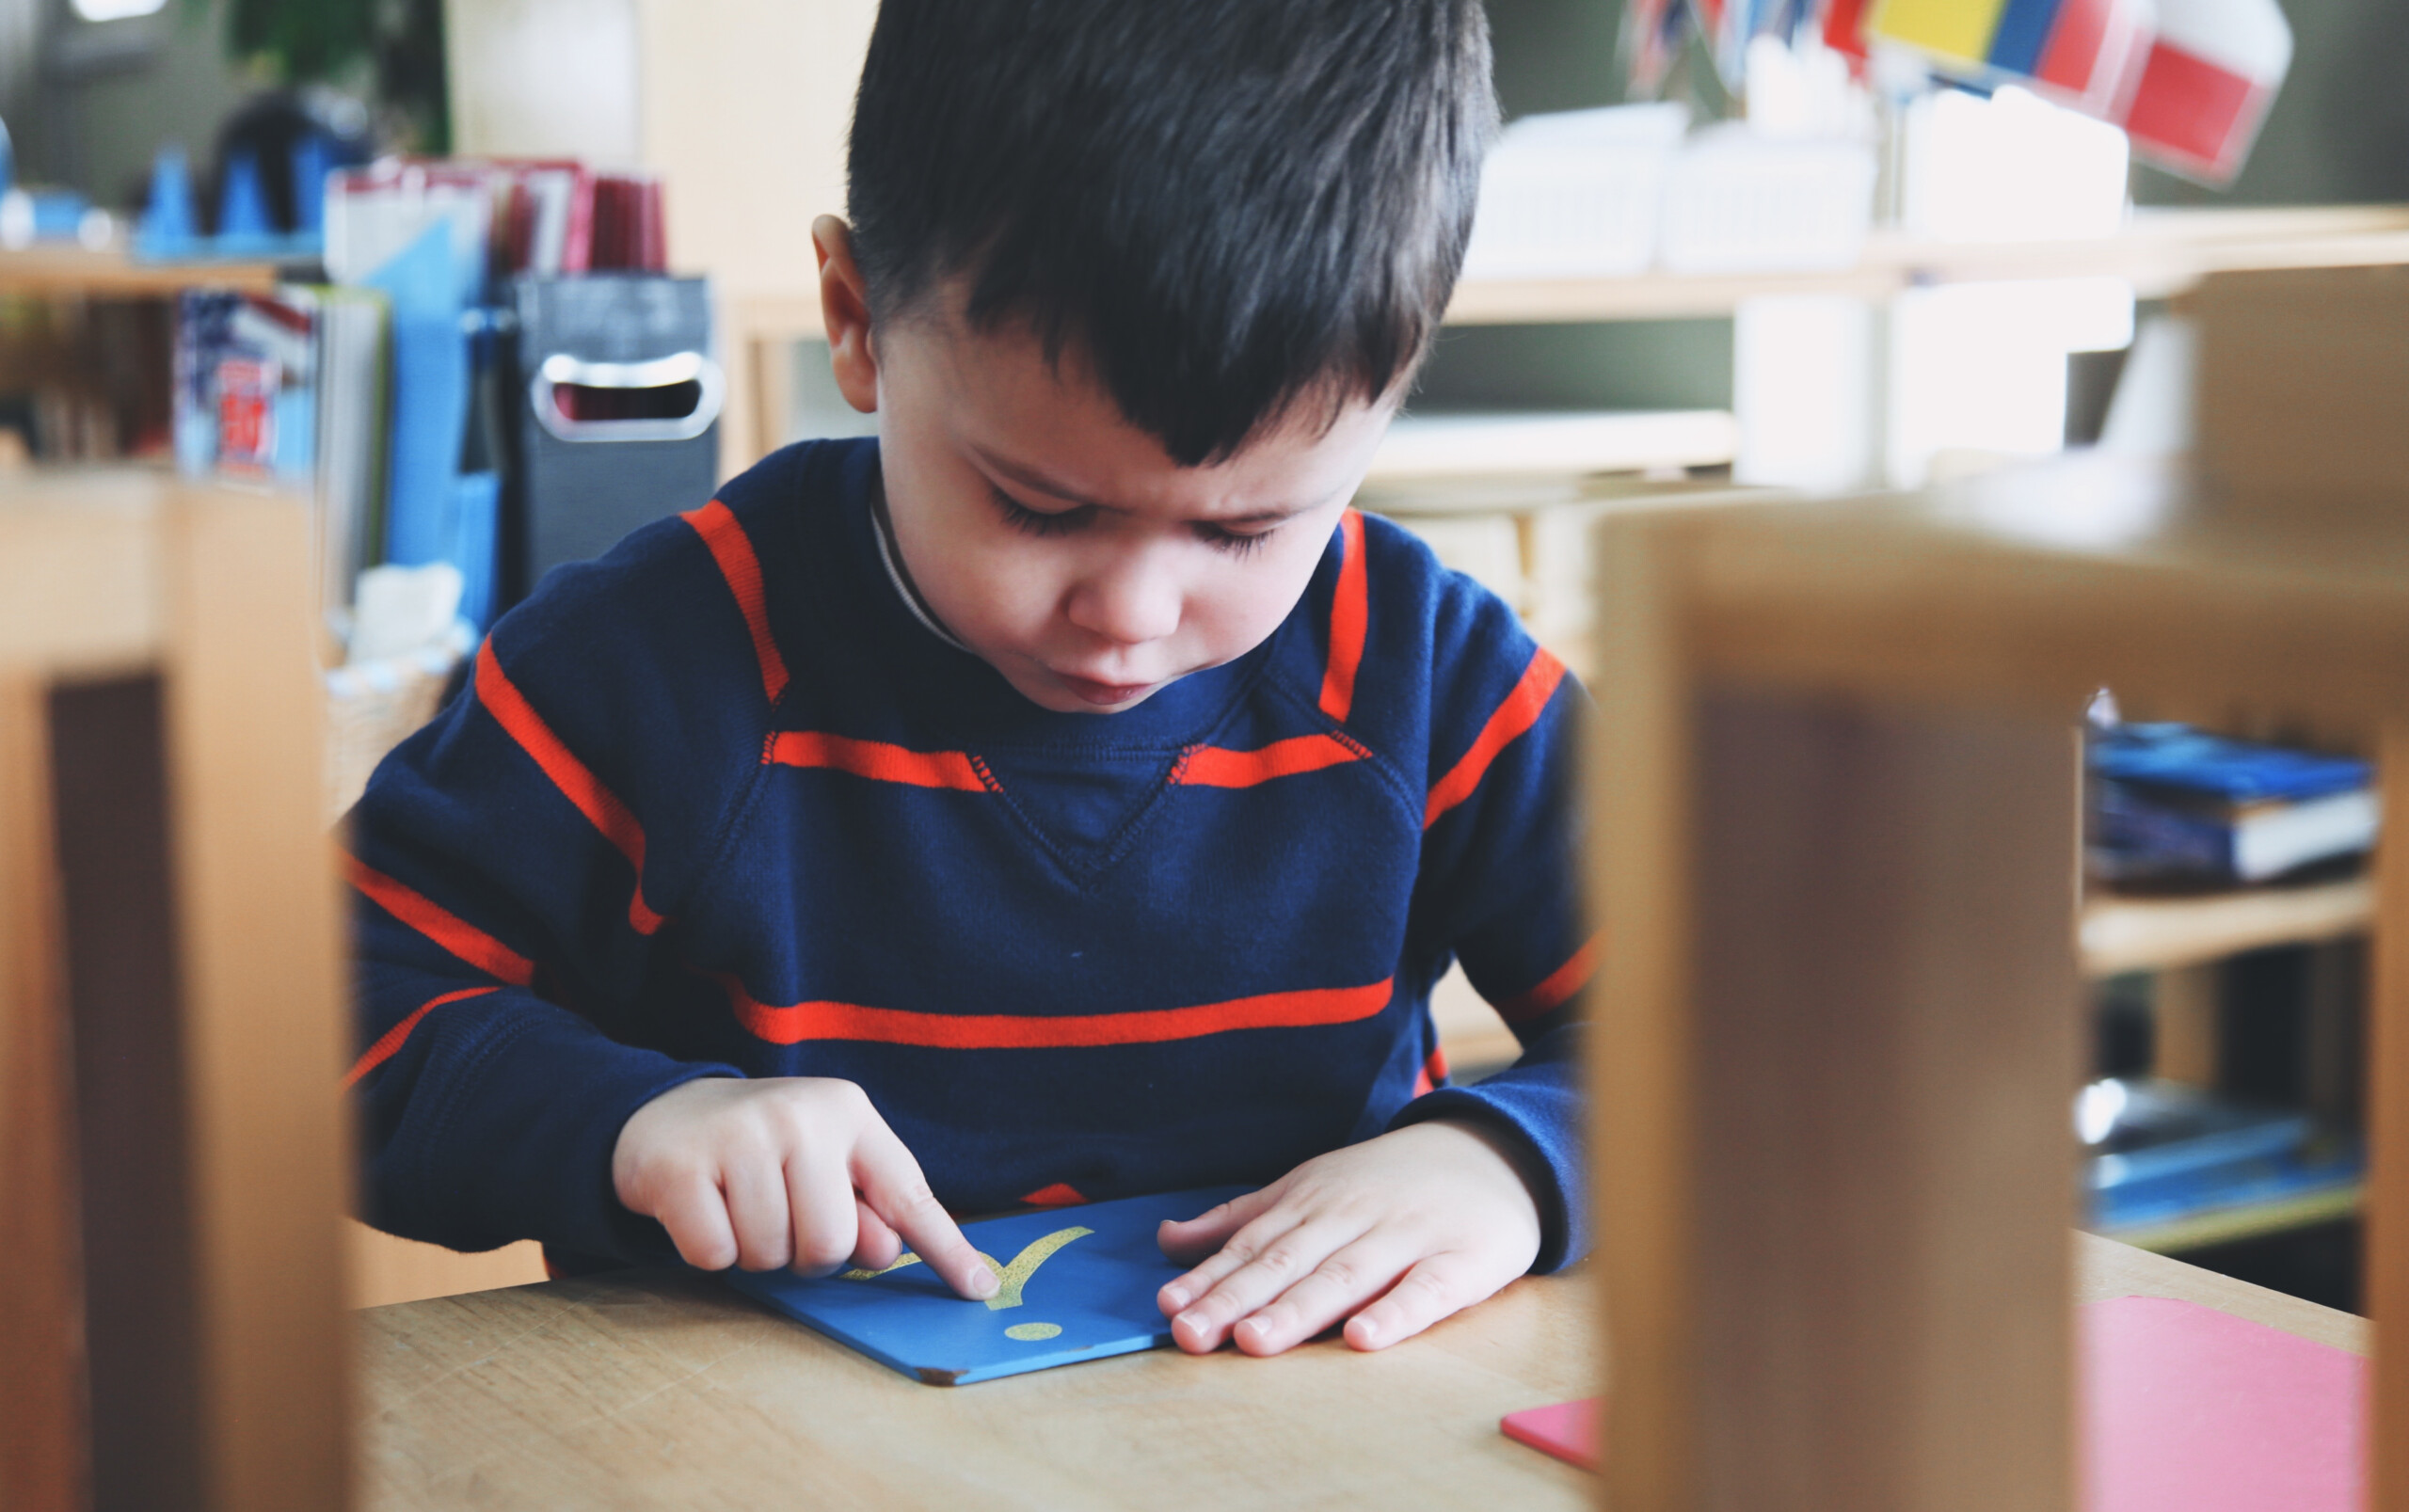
{"x": 1845, "y": 28}
{"x": 1955, "y": 34}
{"x": 2206, "y": 84}
{"x": 2083, "y": 52}
{"x": 2091, "y": 58}
{"x": 1653, "y": 34}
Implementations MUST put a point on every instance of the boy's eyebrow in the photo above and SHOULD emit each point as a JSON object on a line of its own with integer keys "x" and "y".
{"x": 1038, "y": 483}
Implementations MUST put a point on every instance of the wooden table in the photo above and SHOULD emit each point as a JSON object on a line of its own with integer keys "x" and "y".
{"x": 656, "y": 1388}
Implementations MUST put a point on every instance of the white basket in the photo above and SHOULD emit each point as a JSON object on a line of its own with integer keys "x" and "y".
{"x": 1740, "y": 203}
{"x": 1573, "y": 195}
{"x": 372, "y": 707}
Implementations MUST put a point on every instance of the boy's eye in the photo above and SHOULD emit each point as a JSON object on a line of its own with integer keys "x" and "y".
{"x": 1037, "y": 521}
{"x": 1234, "y": 542}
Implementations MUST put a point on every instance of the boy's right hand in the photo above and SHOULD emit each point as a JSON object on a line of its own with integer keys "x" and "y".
{"x": 795, "y": 1171}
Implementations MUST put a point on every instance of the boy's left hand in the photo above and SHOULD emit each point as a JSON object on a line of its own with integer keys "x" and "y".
{"x": 1419, "y": 1223}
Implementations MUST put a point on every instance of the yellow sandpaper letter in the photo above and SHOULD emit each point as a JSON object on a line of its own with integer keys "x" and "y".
{"x": 1010, "y": 1278}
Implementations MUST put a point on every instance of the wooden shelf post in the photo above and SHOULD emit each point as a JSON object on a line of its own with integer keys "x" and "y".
{"x": 1832, "y": 1085}
{"x": 172, "y": 1150}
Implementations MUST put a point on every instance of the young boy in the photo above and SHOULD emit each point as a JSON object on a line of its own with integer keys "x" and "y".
{"x": 1064, "y": 796}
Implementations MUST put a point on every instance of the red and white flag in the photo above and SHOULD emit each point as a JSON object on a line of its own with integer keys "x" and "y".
{"x": 2092, "y": 56}
{"x": 2206, "y": 84}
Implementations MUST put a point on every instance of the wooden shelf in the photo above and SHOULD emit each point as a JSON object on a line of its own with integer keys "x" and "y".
{"x": 2246, "y": 1220}
{"x": 2124, "y": 933}
{"x": 2160, "y": 252}
{"x": 56, "y": 270}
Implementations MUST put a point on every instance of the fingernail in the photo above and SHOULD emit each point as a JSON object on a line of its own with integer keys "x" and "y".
{"x": 1192, "y": 1322}
{"x": 983, "y": 1282}
{"x": 1367, "y": 1330}
{"x": 1178, "y": 1296}
{"x": 1255, "y": 1328}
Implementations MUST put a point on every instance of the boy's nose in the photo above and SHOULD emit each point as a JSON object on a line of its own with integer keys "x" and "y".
{"x": 1128, "y": 603}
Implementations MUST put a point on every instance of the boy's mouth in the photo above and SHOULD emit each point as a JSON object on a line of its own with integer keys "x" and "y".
{"x": 1102, "y": 694}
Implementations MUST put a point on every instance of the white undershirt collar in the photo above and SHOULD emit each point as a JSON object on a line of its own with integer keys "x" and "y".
{"x": 891, "y": 557}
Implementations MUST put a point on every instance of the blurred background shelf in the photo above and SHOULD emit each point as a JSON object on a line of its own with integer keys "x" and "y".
{"x": 2121, "y": 933}
{"x": 2161, "y": 252}
{"x": 78, "y": 272}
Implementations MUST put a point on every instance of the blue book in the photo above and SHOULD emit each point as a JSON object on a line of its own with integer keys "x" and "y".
{"x": 2170, "y": 803}
{"x": 1078, "y": 1284}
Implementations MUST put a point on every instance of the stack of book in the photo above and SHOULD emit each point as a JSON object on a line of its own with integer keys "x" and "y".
{"x": 2161, "y": 1152}
{"x": 2172, "y": 804}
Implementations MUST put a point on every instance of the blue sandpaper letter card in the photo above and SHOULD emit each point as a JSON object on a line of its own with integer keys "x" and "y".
{"x": 1078, "y": 1284}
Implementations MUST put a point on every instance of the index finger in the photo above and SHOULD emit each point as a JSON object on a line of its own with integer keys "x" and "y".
{"x": 892, "y": 1187}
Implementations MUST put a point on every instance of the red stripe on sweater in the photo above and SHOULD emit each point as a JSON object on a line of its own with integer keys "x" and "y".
{"x": 733, "y": 550}
{"x": 1349, "y": 613}
{"x": 1557, "y": 987}
{"x": 446, "y": 929}
{"x": 1518, "y": 713}
{"x": 879, "y": 761}
{"x": 798, "y": 1021}
{"x": 393, "y": 1038}
{"x": 1209, "y": 766}
{"x": 577, "y": 783}
{"x": 1060, "y": 1194}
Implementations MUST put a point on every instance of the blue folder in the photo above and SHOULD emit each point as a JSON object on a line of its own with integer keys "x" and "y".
{"x": 1079, "y": 1284}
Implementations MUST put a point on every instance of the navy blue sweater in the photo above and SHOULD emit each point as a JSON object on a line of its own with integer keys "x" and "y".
{"x": 718, "y": 804}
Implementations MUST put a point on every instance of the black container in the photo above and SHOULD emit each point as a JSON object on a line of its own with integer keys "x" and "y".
{"x": 616, "y": 401}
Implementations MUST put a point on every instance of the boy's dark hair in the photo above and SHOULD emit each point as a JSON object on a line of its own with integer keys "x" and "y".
{"x": 1229, "y": 205}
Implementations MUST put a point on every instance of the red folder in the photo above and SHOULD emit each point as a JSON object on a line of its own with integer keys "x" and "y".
{"x": 2183, "y": 1407}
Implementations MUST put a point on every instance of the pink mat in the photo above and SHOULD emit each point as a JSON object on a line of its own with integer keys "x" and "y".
{"x": 2185, "y": 1409}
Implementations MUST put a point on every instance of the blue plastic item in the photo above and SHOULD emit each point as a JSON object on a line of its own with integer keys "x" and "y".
{"x": 169, "y": 220}
{"x": 241, "y": 203}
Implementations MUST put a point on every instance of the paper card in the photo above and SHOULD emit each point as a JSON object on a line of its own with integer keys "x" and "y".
{"x": 1079, "y": 1284}
{"x": 2187, "y": 1406}
{"x": 2183, "y": 1407}
{"x": 1568, "y": 1431}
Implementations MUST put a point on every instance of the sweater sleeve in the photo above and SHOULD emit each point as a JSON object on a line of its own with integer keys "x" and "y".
{"x": 518, "y": 866}
{"x": 1500, "y": 889}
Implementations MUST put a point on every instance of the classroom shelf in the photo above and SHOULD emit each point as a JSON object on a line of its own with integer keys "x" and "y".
{"x": 2161, "y": 252}
{"x": 2248, "y": 1220}
{"x": 77, "y": 271}
{"x": 2126, "y": 933}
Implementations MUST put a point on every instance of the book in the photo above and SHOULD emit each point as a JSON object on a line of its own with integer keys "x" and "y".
{"x": 2171, "y": 803}
{"x": 288, "y": 388}
{"x": 1079, "y": 1285}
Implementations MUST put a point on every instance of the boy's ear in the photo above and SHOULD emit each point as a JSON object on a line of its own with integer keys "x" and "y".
{"x": 844, "y": 309}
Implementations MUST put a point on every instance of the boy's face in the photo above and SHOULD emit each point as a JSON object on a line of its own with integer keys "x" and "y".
{"x": 1058, "y": 541}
